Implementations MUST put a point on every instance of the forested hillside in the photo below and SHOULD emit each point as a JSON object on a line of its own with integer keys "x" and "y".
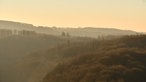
{"x": 118, "y": 60}
{"x": 51, "y": 54}
{"x": 72, "y": 40}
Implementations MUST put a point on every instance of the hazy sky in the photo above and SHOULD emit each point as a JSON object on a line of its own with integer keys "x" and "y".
{"x": 122, "y": 14}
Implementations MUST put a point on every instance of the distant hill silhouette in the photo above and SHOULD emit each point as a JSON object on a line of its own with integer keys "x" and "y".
{"x": 83, "y": 32}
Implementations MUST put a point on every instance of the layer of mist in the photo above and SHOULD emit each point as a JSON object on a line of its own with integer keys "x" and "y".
{"x": 31, "y": 53}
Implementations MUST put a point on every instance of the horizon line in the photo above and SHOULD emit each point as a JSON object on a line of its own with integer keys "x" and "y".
{"x": 65, "y": 27}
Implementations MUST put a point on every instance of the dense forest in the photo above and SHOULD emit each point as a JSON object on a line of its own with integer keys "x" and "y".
{"x": 118, "y": 60}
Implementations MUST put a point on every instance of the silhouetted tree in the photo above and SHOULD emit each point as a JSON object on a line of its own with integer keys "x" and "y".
{"x": 63, "y": 34}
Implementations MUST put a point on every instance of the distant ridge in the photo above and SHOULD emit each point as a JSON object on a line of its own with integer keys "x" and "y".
{"x": 83, "y": 32}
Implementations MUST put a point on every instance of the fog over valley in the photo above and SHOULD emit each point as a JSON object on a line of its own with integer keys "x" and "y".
{"x": 31, "y": 53}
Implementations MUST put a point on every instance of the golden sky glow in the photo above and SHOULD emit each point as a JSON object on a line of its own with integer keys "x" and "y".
{"x": 122, "y": 14}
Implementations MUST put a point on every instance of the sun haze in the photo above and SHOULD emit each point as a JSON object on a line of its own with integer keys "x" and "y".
{"x": 122, "y": 14}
